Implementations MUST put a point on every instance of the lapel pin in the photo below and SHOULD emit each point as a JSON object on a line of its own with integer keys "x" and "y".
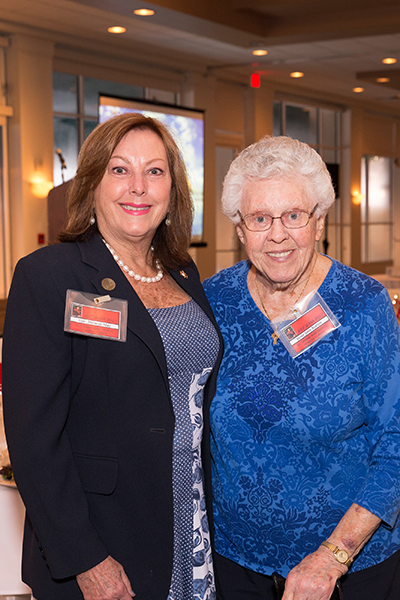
{"x": 108, "y": 284}
{"x": 183, "y": 274}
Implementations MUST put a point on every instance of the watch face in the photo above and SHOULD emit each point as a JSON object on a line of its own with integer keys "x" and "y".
{"x": 342, "y": 556}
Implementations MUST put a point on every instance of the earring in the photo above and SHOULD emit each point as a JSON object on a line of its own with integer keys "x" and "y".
{"x": 168, "y": 221}
{"x": 92, "y": 220}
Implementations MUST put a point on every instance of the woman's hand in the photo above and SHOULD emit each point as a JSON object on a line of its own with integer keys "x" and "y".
{"x": 314, "y": 577}
{"x": 105, "y": 581}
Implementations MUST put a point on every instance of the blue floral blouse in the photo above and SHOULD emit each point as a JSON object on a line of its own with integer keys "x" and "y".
{"x": 295, "y": 441}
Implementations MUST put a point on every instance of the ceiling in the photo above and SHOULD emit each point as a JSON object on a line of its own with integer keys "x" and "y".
{"x": 337, "y": 44}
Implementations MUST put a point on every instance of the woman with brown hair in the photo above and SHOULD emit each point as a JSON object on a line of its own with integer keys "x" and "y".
{"x": 119, "y": 347}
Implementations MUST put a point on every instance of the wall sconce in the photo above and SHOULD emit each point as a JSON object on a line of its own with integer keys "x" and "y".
{"x": 357, "y": 198}
{"x": 40, "y": 186}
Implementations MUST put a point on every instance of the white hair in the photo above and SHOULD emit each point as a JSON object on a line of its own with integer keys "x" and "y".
{"x": 278, "y": 158}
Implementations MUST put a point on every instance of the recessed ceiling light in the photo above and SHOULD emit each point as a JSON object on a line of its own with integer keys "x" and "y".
{"x": 144, "y": 12}
{"x": 382, "y": 80}
{"x": 297, "y": 74}
{"x": 116, "y": 29}
{"x": 260, "y": 52}
{"x": 358, "y": 90}
{"x": 389, "y": 61}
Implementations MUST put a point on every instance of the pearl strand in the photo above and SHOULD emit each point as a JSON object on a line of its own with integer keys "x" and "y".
{"x": 131, "y": 273}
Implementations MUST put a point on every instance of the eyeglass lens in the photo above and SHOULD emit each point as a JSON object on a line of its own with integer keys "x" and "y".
{"x": 291, "y": 219}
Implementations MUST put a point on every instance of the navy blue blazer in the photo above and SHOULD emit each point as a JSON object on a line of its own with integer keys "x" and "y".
{"x": 90, "y": 425}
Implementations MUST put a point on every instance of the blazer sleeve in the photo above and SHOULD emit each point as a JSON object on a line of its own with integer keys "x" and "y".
{"x": 37, "y": 361}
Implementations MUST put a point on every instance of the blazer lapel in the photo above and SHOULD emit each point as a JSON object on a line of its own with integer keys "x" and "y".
{"x": 95, "y": 254}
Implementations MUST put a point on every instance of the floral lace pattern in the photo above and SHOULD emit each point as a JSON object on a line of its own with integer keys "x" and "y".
{"x": 295, "y": 441}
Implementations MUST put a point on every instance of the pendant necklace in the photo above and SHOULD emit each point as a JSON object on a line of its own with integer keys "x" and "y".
{"x": 275, "y": 334}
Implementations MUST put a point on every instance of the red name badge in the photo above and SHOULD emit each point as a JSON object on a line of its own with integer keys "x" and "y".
{"x": 96, "y": 316}
{"x": 316, "y": 320}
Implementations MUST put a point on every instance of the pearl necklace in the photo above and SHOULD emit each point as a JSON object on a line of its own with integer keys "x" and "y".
{"x": 131, "y": 273}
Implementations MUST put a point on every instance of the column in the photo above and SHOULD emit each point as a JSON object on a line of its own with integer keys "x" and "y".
{"x": 29, "y": 69}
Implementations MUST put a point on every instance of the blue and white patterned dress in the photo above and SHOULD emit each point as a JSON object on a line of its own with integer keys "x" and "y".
{"x": 191, "y": 346}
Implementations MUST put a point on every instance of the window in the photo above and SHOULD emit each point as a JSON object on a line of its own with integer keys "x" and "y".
{"x": 313, "y": 125}
{"x": 75, "y": 109}
{"x": 227, "y": 242}
{"x": 320, "y": 128}
{"x": 376, "y": 209}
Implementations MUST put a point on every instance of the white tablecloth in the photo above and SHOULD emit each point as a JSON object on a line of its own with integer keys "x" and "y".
{"x": 12, "y": 514}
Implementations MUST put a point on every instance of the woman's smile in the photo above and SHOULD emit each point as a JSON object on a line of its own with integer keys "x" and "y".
{"x": 136, "y": 208}
{"x": 282, "y": 254}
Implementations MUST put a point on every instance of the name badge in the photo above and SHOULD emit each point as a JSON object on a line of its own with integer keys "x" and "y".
{"x": 313, "y": 321}
{"x": 96, "y": 316}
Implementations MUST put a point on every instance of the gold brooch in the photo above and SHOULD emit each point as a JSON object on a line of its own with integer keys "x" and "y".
{"x": 108, "y": 284}
{"x": 183, "y": 274}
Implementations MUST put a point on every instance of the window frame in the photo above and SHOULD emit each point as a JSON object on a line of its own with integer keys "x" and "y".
{"x": 366, "y": 223}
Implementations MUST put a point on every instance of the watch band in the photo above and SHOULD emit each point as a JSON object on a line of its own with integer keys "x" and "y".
{"x": 340, "y": 555}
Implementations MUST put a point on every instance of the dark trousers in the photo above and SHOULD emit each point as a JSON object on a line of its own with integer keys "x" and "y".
{"x": 380, "y": 582}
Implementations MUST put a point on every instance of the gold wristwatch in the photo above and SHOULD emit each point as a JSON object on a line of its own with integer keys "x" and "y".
{"x": 340, "y": 555}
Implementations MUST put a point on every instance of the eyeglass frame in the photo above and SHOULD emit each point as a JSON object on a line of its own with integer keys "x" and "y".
{"x": 310, "y": 214}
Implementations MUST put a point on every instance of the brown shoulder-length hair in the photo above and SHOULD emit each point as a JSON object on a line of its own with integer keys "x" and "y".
{"x": 170, "y": 242}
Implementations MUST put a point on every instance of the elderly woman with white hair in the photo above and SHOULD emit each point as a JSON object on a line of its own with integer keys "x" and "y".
{"x": 305, "y": 424}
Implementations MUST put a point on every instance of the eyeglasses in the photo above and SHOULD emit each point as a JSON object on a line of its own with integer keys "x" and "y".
{"x": 291, "y": 219}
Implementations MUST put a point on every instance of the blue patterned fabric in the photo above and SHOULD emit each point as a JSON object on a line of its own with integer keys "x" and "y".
{"x": 191, "y": 347}
{"x": 295, "y": 441}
